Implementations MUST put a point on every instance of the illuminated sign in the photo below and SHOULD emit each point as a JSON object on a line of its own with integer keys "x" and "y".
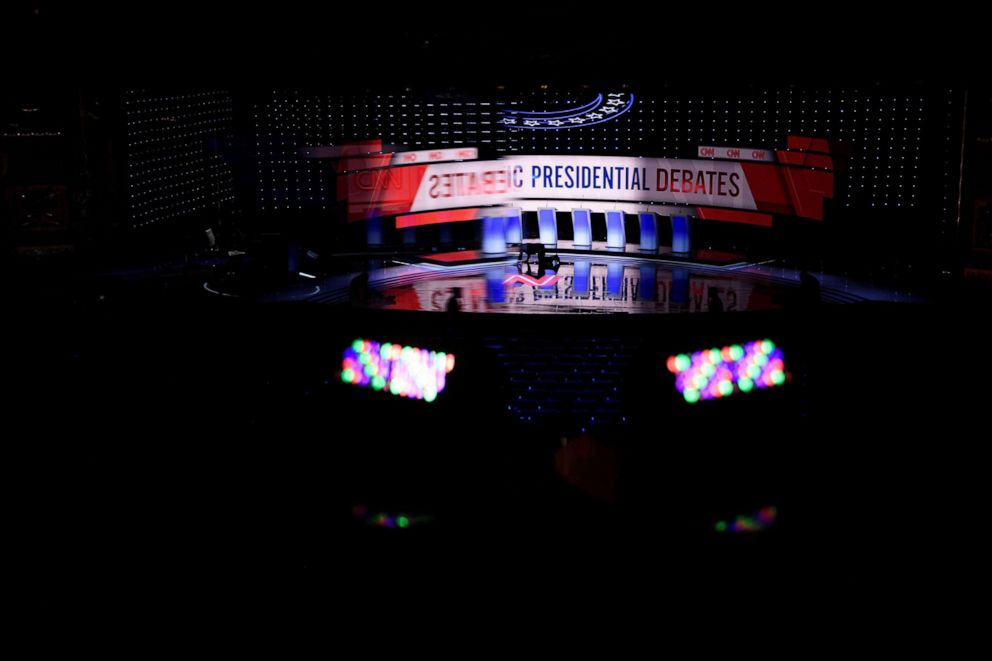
{"x": 715, "y": 373}
{"x": 706, "y": 183}
{"x": 738, "y": 153}
{"x": 602, "y": 109}
{"x": 435, "y": 155}
{"x": 401, "y": 370}
{"x": 351, "y": 163}
{"x": 598, "y": 183}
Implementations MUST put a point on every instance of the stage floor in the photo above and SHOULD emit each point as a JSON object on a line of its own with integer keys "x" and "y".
{"x": 601, "y": 284}
{"x": 596, "y": 282}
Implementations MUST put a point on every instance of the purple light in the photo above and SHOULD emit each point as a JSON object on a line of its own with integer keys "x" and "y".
{"x": 749, "y": 523}
{"x": 522, "y": 279}
{"x": 717, "y": 373}
{"x": 401, "y": 370}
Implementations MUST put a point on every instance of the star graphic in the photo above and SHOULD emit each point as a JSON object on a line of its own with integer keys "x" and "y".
{"x": 615, "y": 102}
{"x": 510, "y": 120}
{"x": 608, "y": 109}
{"x": 614, "y": 94}
{"x": 531, "y": 122}
{"x": 595, "y": 115}
{"x": 556, "y": 122}
{"x": 576, "y": 120}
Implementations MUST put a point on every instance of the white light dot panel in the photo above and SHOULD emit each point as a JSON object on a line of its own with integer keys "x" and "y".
{"x": 175, "y": 147}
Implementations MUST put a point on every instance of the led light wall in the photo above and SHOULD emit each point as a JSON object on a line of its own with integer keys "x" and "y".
{"x": 900, "y": 143}
{"x": 175, "y": 153}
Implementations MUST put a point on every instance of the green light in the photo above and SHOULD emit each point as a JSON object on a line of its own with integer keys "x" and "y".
{"x": 347, "y": 376}
{"x": 378, "y": 383}
{"x": 682, "y": 362}
{"x": 721, "y": 526}
{"x": 767, "y": 346}
{"x": 386, "y": 351}
{"x": 745, "y": 384}
{"x": 736, "y": 352}
{"x": 430, "y": 395}
{"x": 691, "y": 395}
{"x": 725, "y": 388}
{"x": 708, "y": 369}
{"x": 394, "y": 387}
{"x": 364, "y": 359}
{"x": 778, "y": 377}
{"x": 761, "y": 359}
{"x": 402, "y": 522}
{"x": 715, "y": 356}
{"x": 357, "y": 345}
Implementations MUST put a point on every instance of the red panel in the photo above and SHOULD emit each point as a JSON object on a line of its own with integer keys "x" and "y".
{"x": 805, "y": 159}
{"x": 385, "y": 192}
{"x": 808, "y": 188}
{"x": 361, "y": 147}
{"x": 404, "y": 298}
{"x": 790, "y": 190}
{"x": 358, "y": 148}
{"x": 434, "y": 217}
{"x": 804, "y": 143}
{"x": 731, "y": 216}
{"x": 767, "y": 187}
{"x": 364, "y": 162}
{"x": 454, "y": 257}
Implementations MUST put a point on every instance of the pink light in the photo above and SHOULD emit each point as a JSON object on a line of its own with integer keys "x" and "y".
{"x": 521, "y": 279}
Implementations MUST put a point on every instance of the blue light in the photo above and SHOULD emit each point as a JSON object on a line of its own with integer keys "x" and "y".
{"x": 495, "y": 290}
{"x": 581, "y": 229}
{"x": 649, "y": 282}
{"x": 533, "y": 121}
{"x": 680, "y": 235}
{"x": 493, "y": 235}
{"x": 649, "y": 232}
{"x": 680, "y": 286}
{"x": 580, "y": 282}
{"x": 548, "y": 227}
{"x": 616, "y": 238}
{"x": 514, "y": 227}
{"x": 614, "y": 278}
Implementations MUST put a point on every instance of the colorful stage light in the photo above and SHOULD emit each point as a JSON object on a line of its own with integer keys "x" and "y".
{"x": 400, "y": 370}
{"x": 720, "y": 372}
{"x": 760, "y": 520}
{"x": 386, "y": 520}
